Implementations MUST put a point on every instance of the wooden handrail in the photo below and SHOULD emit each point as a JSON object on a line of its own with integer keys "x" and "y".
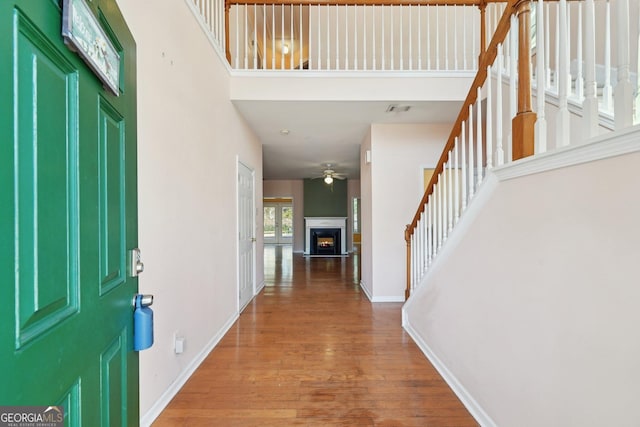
{"x": 492, "y": 51}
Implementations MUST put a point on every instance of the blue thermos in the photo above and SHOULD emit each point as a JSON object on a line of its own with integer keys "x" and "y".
{"x": 142, "y": 322}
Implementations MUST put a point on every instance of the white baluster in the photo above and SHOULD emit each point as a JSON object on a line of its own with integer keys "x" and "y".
{"x": 346, "y": 37}
{"x": 445, "y": 202}
{"x": 540, "y": 128}
{"x": 499, "y": 131}
{"x": 464, "y": 37}
{"x": 637, "y": 100}
{"x": 273, "y": 39}
{"x": 437, "y": 37}
{"x": 623, "y": 92}
{"x": 446, "y": 38}
{"x": 557, "y": 49}
{"x": 568, "y": 45}
{"x": 471, "y": 156}
{"x": 547, "y": 50}
{"x": 489, "y": 139}
{"x": 430, "y": 228}
{"x": 419, "y": 37}
{"x": 364, "y": 37}
{"x": 590, "y": 103}
{"x": 301, "y": 53}
{"x": 410, "y": 39}
{"x": 384, "y": 56}
{"x": 562, "y": 120}
{"x": 607, "y": 92}
{"x": 337, "y": 38}
{"x": 328, "y": 67}
{"x": 456, "y": 185}
{"x": 513, "y": 96}
{"x": 291, "y": 38}
{"x": 428, "y": 37}
{"x": 463, "y": 163}
{"x": 355, "y": 37}
{"x": 391, "y": 39}
{"x": 436, "y": 221}
{"x": 579, "y": 77}
{"x": 455, "y": 38}
{"x": 373, "y": 36}
{"x": 237, "y": 40}
{"x": 441, "y": 236}
{"x": 475, "y": 43}
{"x": 319, "y": 37}
{"x": 246, "y": 36}
{"x": 450, "y": 196}
{"x": 479, "y": 136}
{"x": 254, "y": 41}
{"x": 282, "y": 37}
{"x": 401, "y": 38}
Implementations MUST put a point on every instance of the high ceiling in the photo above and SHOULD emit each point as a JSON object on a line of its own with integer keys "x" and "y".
{"x": 301, "y": 137}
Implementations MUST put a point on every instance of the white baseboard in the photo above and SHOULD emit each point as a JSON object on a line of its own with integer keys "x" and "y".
{"x": 391, "y": 298}
{"x": 149, "y": 417}
{"x": 365, "y": 290}
{"x": 465, "y": 397}
{"x": 380, "y": 299}
{"x": 259, "y": 288}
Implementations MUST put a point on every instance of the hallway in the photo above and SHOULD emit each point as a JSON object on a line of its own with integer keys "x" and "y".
{"x": 311, "y": 350}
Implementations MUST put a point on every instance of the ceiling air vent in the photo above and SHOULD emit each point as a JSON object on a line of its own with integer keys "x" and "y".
{"x": 395, "y": 108}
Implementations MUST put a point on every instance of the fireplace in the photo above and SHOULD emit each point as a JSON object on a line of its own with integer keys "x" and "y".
{"x": 325, "y": 241}
{"x": 325, "y": 236}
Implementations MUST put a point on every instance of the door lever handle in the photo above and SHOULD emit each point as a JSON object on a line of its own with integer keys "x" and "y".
{"x": 136, "y": 265}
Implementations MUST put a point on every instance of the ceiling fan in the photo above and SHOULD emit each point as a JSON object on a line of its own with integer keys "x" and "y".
{"x": 329, "y": 175}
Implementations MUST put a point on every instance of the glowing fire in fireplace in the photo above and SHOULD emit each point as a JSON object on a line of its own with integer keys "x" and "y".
{"x": 325, "y": 242}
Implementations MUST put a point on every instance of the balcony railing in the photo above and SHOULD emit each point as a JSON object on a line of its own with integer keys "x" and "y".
{"x": 412, "y": 35}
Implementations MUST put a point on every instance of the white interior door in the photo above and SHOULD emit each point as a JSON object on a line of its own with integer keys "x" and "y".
{"x": 278, "y": 223}
{"x": 246, "y": 235}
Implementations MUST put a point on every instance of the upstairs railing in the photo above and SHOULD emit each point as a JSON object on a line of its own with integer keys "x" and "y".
{"x": 362, "y": 35}
{"x": 577, "y": 85}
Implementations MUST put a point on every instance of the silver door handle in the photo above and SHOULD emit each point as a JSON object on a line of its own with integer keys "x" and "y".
{"x": 136, "y": 265}
{"x": 145, "y": 301}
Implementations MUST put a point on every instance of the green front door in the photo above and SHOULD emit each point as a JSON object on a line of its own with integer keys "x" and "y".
{"x": 68, "y": 220}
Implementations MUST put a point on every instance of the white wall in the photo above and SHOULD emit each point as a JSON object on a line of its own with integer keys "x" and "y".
{"x": 294, "y": 189}
{"x": 535, "y": 310}
{"x": 189, "y": 137}
{"x": 399, "y": 152}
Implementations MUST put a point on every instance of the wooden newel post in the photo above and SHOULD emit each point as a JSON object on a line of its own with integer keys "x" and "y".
{"x": 525, "y": 120}
{"x": 407, "y": 238}
{"x": 227, "y": 7}
{"x": 483, "y": 29}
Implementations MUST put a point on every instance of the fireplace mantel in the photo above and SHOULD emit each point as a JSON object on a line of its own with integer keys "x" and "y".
{"x": 325, "y": 222}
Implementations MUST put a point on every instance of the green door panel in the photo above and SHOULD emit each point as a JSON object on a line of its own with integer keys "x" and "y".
{"x": 68, "y": 219}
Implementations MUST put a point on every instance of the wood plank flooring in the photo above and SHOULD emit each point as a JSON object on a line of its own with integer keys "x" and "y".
{"x": 311, "y": 350}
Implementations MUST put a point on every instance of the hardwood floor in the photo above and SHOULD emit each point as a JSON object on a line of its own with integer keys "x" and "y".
{"x": 311, "y": 350}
